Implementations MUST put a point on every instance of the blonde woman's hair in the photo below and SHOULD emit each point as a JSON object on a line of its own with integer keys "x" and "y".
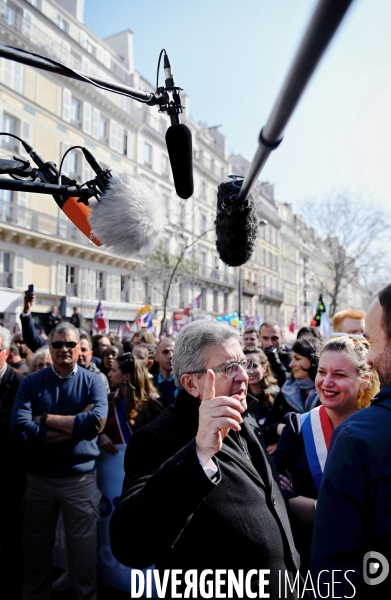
{"x": 357, "y": 352}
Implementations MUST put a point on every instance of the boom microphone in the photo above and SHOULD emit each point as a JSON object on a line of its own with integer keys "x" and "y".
{"x": 178, "y": 138}
{"x": 129, "y": 216}
{"x": 179, "y": 146}
{"x": 236, "y": 224}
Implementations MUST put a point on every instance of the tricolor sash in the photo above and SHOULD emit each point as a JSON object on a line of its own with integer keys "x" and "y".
{"x": 317, "y": 431}
{"x": 121, "y": 430}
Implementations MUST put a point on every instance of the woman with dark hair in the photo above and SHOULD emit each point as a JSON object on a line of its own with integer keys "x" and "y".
{"x": 261, "y": 384}
{"x": 108, "y": 357}
{"x": 298, "y": 393}
{"x": 134, "y": 403}
{"x": 345, "y": 384}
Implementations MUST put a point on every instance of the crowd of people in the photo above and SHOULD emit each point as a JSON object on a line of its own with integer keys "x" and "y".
{"x": 227, "y": 439}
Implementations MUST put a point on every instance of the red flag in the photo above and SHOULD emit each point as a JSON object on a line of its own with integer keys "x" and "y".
{"x": 196, "y": 303}
{"x": 99, "y": 322}
{"x": 292, "y": 324}
{"x": 127, "y": 327}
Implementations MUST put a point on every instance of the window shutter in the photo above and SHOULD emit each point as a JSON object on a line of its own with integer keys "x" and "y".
{"x": 116, "y": 287}
{"x": 83, "y": 38}
{"x": 120, "y": 139}
{"x": 113, "y": 134}
{"x": 27, "y": 23}
{"x": 17, "y": 83}
{"x": 107, "y": 59}
{"x": 109, "y": 285}
{"x": 66, "y": 105}
{"x": 6, "y": 72}
{"x": 87, "y": 109}
{"x": 19, "y": 271}
{"x": 85, "y": 64}
{"x": 83, "y": 274}
{"x": 129, "y": 144}
{"x": 25, "y": 134}
{"x": 61, "y": 273}
{"x": 99, "y": 53}
{"x": 95, "y": 123}
{"x": 65, "y": 53}
{"x": 86, "y": 170}
{"x": 92, "y": 284}
{"x": 132, "y": 290}
{"x": 65, "y": 166}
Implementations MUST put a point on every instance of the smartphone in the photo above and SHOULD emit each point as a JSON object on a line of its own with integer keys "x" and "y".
{"x": 30, "y": 288}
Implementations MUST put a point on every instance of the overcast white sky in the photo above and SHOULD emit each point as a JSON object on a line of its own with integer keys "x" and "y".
{"x": 232, "y": 57}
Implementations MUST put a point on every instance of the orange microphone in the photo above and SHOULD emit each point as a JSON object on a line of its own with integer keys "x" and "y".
{"x": 79, "y": 213}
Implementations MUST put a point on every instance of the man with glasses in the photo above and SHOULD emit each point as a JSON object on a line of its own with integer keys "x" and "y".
{"x": 58, "y": 413}
{"x": 200, "y": 491}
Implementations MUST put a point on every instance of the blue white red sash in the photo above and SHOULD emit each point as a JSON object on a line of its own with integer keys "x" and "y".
{"x": 317, "y": 431}
{"x": 123, "y": 428}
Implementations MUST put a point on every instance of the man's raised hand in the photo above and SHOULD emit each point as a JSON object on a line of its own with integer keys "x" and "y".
{"x": 216, "y": 416}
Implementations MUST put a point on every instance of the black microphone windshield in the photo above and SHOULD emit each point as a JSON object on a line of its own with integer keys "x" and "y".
{"x": 179, "y": 146}
{"x": 236, "y": 226}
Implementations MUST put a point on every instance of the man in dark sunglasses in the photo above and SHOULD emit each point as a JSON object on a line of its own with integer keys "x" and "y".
{"x": 58, "y": 413}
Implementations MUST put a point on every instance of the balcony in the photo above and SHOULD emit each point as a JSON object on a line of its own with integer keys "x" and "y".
{"x": 71, "y": 289}
{"x": 217, "y": 276}
{"x": 267, "y": 293}
{"x": 58, "y": 228}
{"x": 6, "y": 280}
{"x": 249, "y": 287}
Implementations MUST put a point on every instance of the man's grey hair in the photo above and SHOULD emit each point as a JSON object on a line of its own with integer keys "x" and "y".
{"x": 64, "y": 328}
{"x": 194, "y": 343}
{"x": 5, "y": 336}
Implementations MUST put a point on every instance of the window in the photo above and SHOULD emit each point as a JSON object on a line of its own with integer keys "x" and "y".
{"x": 148, "y": 155}
{"x": 100, "y": 290}
{"x": 5, "y": 270}
{"x": 70, "y": 280}
{"x": 166, "y": 204}
{"x": 10, "y": 125}
{"x": 226, "y": 305}
{"x": 164, "y": 164}
{"x": 203, "y": 190}
{"x": 215, "y": 301}
{"x": 103, "y": 128}
{"x": 62, "y": 23}
{"x": 75, "y": 112}
{"x": 203, "y": 299}
{"x": 203, "y": 223}
{"x": 203, "y": 263}
{"x": 73, "y": 164}
{"x": 6, "y": 210}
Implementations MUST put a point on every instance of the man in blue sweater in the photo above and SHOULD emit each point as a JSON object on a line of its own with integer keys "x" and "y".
{"x": 58, "y": 413}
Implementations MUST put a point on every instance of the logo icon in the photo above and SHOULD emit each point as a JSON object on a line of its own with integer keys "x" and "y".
{"x": 375, "y": 568}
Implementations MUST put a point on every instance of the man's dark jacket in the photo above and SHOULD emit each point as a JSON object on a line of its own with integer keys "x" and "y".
{"x": 172, "y": 515}
{"x": 353, "y": 514}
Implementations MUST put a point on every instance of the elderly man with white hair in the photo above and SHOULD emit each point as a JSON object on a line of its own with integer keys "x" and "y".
{"x": 200, "y": 492}
{"x": 12, "y": 476}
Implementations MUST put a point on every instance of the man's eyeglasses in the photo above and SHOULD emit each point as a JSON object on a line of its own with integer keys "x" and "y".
{"x": 230, "y": 370}
{"x": 58, "y": 345}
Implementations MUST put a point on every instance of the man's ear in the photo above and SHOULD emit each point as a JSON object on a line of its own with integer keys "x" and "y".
{"x": 190, "y": 383}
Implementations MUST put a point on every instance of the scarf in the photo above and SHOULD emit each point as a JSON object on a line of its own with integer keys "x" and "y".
{"x": 292, "y": 393}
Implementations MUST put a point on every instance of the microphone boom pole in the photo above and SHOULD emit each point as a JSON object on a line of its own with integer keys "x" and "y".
{"x": 325, "y": 21}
